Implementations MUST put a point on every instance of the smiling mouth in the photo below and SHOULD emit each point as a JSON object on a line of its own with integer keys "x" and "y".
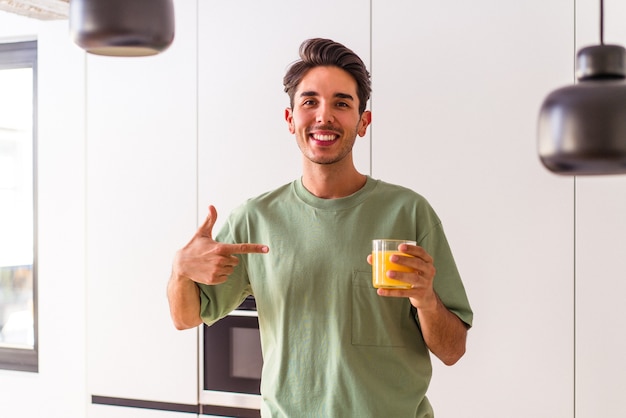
{"x": 324, "y": 138}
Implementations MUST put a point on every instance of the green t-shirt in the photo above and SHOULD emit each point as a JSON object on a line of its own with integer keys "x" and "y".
{"x": 331, "y": 346}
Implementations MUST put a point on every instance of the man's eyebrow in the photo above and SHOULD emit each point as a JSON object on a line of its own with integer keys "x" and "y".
{"x": 344, "y": 96}
{"x": 337, "y": 95}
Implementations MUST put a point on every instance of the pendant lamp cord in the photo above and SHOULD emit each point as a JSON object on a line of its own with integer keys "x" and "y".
{"x": 601, "y": 22}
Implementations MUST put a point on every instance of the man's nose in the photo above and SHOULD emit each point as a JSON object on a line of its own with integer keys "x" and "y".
{"x": 324, "y": 114}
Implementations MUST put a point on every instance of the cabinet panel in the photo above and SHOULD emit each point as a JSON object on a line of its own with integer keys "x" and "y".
{"x": 600, "y": 289}
{"x": 141, "y": 207}
{"x": 600, "y": 259}
{"x": 245, "y": 48}
{"x": 458, "y": 87}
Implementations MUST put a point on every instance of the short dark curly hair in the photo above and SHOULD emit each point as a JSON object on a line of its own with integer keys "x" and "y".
{"x": 318, "y": 52}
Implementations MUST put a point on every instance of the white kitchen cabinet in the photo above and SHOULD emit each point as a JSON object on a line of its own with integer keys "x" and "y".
{"x": 600, "y": 289}
{"x": 600, "y": 258}
{"x": 141, "y": 206}
{"x": 244, "y": 50}
{"x": 457, "y": 90}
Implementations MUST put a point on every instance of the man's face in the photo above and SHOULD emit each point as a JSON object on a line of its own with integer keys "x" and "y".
{"x": 325, "y": 115}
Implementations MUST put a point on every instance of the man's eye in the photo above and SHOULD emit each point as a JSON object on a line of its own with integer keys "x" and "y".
{"x": 343, "y": 104}
{"x": 309, "y": 102}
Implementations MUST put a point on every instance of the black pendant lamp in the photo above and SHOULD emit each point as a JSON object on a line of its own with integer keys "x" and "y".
{"x": 123, "y": 28}
{"x": 582, "y": 128}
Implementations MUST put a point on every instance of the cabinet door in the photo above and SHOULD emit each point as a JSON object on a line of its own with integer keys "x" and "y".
{"x": 245, "y": 48}
{"x": 457, "y": 91}
{"x": 600, "y": 258}
{"x": 141, "y": 200}
{"x": 600, "y": 289}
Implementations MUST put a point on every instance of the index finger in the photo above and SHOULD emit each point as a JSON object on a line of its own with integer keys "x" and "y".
{"x": 245, "y": 248}
{"x": 417, "y": 251}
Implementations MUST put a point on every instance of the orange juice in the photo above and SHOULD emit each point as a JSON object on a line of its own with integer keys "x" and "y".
{"x": 381, "y": 264}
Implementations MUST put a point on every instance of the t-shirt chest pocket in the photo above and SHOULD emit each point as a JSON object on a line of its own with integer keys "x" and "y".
{"x": 377, "y": 320}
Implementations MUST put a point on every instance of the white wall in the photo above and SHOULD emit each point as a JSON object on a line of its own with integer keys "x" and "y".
{"x": 132, "y": 151}
{"x": 58, "y": 389}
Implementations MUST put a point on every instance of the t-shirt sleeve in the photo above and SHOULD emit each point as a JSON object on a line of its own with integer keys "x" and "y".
{"x": 447, "y": 284}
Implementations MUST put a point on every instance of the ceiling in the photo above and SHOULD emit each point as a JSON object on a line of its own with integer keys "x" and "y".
{"x": 37, "y": 9}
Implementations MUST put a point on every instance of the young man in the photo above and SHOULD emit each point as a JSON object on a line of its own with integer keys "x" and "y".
{"x": 333, "y": 346}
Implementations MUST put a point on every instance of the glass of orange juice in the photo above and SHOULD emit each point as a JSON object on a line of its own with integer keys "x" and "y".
{"x": 382, "y": 250}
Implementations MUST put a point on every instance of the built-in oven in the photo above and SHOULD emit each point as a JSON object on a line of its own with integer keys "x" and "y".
{"x": 231, "y": 364}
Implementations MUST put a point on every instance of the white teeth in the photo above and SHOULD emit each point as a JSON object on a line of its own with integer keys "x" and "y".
{"x": 324, "y": 137}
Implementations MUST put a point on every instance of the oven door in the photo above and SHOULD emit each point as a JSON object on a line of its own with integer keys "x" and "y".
{"x": 232, "y": 361}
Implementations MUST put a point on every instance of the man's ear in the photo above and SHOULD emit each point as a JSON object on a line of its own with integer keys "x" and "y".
{"x": 366, "y": 119}
{"x": 289, "y": 119}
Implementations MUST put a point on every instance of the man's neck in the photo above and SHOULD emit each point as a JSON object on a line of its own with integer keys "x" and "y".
{"x": 332, "y": 182}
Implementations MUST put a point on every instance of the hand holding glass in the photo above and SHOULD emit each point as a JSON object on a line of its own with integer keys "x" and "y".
{"x": 382, "y": 250}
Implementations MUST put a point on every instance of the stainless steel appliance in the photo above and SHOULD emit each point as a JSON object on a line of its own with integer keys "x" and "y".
{"x": 231, "y": 364}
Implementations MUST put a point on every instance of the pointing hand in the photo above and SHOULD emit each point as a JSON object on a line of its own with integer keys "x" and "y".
{"x": 207, "y": 261}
